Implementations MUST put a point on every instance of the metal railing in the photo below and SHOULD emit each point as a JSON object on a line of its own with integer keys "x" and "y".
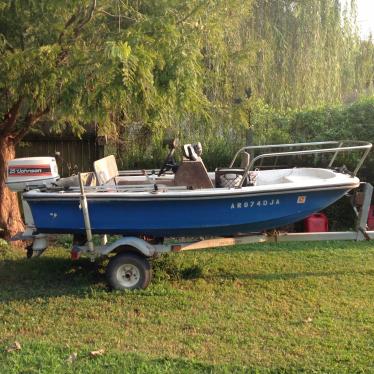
{"x": 340, "y": 147}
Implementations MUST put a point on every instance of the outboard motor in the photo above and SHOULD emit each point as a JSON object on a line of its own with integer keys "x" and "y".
{"x": 31, "y": 173}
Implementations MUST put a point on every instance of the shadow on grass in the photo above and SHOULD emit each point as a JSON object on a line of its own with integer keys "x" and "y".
{"x": 48, "y": 277}
{"x": 23, "y": 279}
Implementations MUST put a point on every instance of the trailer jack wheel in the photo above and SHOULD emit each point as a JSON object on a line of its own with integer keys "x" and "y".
{"x": 128, "y": 271}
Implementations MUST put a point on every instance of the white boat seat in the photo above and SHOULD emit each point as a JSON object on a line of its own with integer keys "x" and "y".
{"x": 106, "y": 170}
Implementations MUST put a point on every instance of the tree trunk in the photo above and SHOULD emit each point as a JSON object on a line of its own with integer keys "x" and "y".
{"x": 10, "y": 216}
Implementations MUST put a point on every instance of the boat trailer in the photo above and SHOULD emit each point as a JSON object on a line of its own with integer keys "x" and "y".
{"x": 130, "y": 268}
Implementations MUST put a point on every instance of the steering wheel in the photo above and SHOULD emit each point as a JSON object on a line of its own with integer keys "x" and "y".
{"x": 169, "y": 163}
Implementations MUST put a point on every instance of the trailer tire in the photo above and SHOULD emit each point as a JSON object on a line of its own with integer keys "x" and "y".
{"x": 128, "y": 271}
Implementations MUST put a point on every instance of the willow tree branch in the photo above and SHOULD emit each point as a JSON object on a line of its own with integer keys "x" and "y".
{"x": 8, "y": 123}
{"x": 81, "y": 18}
{"x": 28, "y": 122}
{"x": 87, "y": 18}
{"x": 68, "y": 23}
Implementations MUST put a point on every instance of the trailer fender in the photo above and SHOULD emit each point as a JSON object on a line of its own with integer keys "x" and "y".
{"x": 139, "y": 245}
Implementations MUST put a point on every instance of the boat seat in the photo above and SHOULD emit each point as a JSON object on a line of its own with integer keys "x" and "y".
{"x": 106, "y": 170}
{"x": 232, "y": 177}
{"x": 228, "y": 177}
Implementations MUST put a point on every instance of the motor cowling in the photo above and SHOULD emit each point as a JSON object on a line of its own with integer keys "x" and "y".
{"x": 31, "y": 173}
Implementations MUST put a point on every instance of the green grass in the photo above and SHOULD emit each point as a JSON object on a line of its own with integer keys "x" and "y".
{"x": 272, "y": 308}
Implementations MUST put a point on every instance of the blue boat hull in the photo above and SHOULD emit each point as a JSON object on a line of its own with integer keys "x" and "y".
{"x": 180, "y": 216}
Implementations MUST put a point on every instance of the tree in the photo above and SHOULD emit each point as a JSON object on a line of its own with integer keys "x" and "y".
{"x": 38, "y": 69}
{"x": 199, "y": 68}
{"x": 81, "y": 61}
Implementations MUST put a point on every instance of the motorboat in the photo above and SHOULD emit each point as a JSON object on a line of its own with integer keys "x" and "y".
{"x": 180, "y": 200}
{"x": 186, "y": 200}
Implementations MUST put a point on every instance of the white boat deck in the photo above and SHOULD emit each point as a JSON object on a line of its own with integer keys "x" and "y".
{"x": 267, "y": 181}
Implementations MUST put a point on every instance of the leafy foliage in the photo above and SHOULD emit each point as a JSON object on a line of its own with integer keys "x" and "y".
{"x": 350, "y": 122}
{"x": 199, "y": 70}
{"x": 270, "y": 126}
{"x": 269, "y": 59}
{"x": 83, "y": 62}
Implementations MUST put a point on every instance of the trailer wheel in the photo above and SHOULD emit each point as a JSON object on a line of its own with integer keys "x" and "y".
{"x": 128, "y": 271}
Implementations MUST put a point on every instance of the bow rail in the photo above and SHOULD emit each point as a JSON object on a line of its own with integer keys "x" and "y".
{"x": 340, "y": 146}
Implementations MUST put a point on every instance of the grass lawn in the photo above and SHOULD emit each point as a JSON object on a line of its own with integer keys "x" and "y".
{"x": 268, "y": 308}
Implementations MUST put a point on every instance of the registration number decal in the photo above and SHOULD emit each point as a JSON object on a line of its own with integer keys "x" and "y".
{"x": 254, "y": 203}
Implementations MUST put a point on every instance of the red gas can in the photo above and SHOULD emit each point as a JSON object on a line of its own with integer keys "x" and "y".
{"x": 317, "y": 222}
{"x": 371, "y": 218}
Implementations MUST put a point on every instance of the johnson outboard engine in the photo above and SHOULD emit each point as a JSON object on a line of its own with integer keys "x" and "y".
{"x": 31, "y": 173}
{"x": 28, "y": 173}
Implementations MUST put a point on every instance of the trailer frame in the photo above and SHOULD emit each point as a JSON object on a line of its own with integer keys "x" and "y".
{"x": 129, "y": 266}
